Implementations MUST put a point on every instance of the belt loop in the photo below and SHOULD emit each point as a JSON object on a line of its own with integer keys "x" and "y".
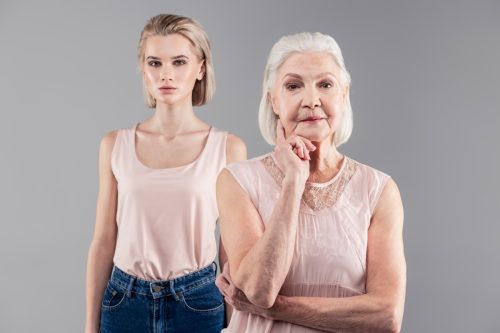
{"x": 172, "y": 290}
{"x": 129, "y": 287}
{"x": 214, "y": 265}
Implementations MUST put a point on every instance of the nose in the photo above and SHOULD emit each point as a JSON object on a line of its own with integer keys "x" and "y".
{"x": 311, "y": 99}
{"x": 166, "y": 73}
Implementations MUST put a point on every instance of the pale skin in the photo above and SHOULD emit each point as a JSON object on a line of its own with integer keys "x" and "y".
{"x": 173, "y": 136}
{"x": 309, "y": 98}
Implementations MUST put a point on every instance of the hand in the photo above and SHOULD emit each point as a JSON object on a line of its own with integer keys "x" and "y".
{"x": 234, "y": 296}
{"x": 88, "y": 329}
{"x": 292, "y": 154}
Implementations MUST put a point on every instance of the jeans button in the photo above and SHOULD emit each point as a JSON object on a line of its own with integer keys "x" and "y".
{"x": 157, "y": 288}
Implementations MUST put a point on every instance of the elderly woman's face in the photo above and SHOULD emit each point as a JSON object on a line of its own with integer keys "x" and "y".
{"x": 308, "y": 95}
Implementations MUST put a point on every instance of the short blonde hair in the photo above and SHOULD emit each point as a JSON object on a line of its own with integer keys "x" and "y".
{"x": 167, "y": 24}
{"x": 285, "y": 47}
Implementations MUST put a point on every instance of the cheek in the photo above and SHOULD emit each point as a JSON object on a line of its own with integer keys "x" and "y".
{"x": 186, "y": 73}
{"x": 333, "y": 107}
{"x": 288, "y": 107}
{"x": 150, "y": 77}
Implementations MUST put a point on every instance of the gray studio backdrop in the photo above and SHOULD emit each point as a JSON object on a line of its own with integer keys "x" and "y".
{"x": 425, "y": 97}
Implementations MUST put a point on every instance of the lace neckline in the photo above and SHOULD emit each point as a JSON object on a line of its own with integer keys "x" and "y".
{"x": 318, "y": 196}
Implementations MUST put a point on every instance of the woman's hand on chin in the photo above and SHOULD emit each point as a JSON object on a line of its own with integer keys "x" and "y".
{"x": 292, "y": 155}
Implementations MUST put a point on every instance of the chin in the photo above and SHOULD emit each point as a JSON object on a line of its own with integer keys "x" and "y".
{"x": 168, "y": 100}
{"x": 315, "y": 136}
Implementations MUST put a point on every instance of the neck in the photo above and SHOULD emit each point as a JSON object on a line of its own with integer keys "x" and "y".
{"x": 172, "y": 119}
{"x": 325, "y": 161}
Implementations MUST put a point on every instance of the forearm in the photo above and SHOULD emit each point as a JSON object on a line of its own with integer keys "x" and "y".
{"x": 262, "y": 271}
{"x": 222, "y": 261}
{"x": 99, "y": 266}
{"x": 364, "y": 313}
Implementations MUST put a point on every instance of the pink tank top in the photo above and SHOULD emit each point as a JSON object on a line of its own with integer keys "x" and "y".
{"x": 166, "y": 217}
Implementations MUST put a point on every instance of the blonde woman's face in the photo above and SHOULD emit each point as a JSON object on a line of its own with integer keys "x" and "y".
{"x": 308, "y": 95}
{"x": 170, "y": 68}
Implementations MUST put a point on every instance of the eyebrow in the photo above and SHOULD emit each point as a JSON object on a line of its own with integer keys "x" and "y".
{"x": 300, "y": 77}
{"x": 297, "y": 76}
{"x": 181, "y": 56}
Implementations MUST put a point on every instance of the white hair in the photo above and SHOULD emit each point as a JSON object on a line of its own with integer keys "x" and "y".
{"x": 285, "y": 47}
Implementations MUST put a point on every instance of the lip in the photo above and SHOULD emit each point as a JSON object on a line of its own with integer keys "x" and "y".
{"x": 312, "y": 119}
{"x": 167, "y": 89}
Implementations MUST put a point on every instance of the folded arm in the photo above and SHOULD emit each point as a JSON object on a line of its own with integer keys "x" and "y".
{"x": 259, "y": 258}
{"x": 379, "y": 310}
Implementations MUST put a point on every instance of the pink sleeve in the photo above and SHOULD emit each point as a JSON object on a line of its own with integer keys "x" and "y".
{"x": 246, "y": 177}
{"x": 379, "y": 180}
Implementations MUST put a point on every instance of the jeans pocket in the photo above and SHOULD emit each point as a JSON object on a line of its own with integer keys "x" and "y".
{"x": 205, "y": 298}
{"x": 113, "y": 297}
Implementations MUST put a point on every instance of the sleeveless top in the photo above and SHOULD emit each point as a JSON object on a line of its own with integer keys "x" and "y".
{"x": 166, "y": 217}
{"x": 330, "y": 251}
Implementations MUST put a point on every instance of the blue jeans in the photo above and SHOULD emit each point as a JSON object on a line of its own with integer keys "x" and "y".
{"x": 190, "y": 303}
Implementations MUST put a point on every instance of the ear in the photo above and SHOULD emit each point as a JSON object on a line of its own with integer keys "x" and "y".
{"x": 201, "y": 73}
{"x": 345, "y": 93}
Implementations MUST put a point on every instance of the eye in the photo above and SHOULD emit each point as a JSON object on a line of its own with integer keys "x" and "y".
{"x": 154, "y": 63}
{"x": 292, "y": 86}
{"x": 179, "y": 62}
{"x": 326, "y": 84}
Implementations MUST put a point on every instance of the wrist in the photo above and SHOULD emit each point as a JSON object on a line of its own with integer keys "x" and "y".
{"x": 294, "y": 182}
{"x": 274, "y": 311}
{"x": 293, "y": 190}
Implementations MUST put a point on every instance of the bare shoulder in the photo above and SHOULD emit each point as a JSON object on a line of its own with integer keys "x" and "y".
{"x": 106, "y": 149}
{"x": 224, "y": 179}
{"x": 389, "y": 205}
{"x": 108, "y": 141}
{"x": 390, "y": 194}
{"x": 236, "y": 149}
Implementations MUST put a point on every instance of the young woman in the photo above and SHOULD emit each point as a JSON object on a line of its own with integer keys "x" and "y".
{"x": 151, "y": 261}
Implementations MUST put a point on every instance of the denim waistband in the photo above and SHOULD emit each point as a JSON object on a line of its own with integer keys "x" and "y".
{"x": 162, "y": 288}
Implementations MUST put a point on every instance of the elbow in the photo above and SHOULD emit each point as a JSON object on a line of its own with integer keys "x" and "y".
{"x": 392, "y": 319}
{"x": 262, "y": 299}
{"x": 258, "y": 293}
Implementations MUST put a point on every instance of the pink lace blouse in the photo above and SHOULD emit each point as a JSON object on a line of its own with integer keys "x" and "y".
{"x": 330, "y": 250}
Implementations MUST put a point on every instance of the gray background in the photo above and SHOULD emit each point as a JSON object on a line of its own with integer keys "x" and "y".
{"x": 425, "y": 97}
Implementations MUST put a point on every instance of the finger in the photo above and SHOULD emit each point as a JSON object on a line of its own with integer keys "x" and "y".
{"x": 301, "y": 152}
{"x": 221, "y": 283}
{"x": 304, "y": 142}
{"x": 228, "y": 300}
{"x": 280, "y": 132}
{"x": 221, "y": 279}
{"x": 309, "y": 145}
{"x": 217, "y": 283}
{"x": 300, "y": 146}
{"x": 223, "y": 292}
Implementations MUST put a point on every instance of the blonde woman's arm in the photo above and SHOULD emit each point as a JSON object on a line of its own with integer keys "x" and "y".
{"x": 236, "y": 150}
{"x": 102, "y": 247}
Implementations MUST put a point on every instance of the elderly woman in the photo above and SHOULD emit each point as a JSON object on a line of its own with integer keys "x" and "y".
{"x": 313, "y": 237}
